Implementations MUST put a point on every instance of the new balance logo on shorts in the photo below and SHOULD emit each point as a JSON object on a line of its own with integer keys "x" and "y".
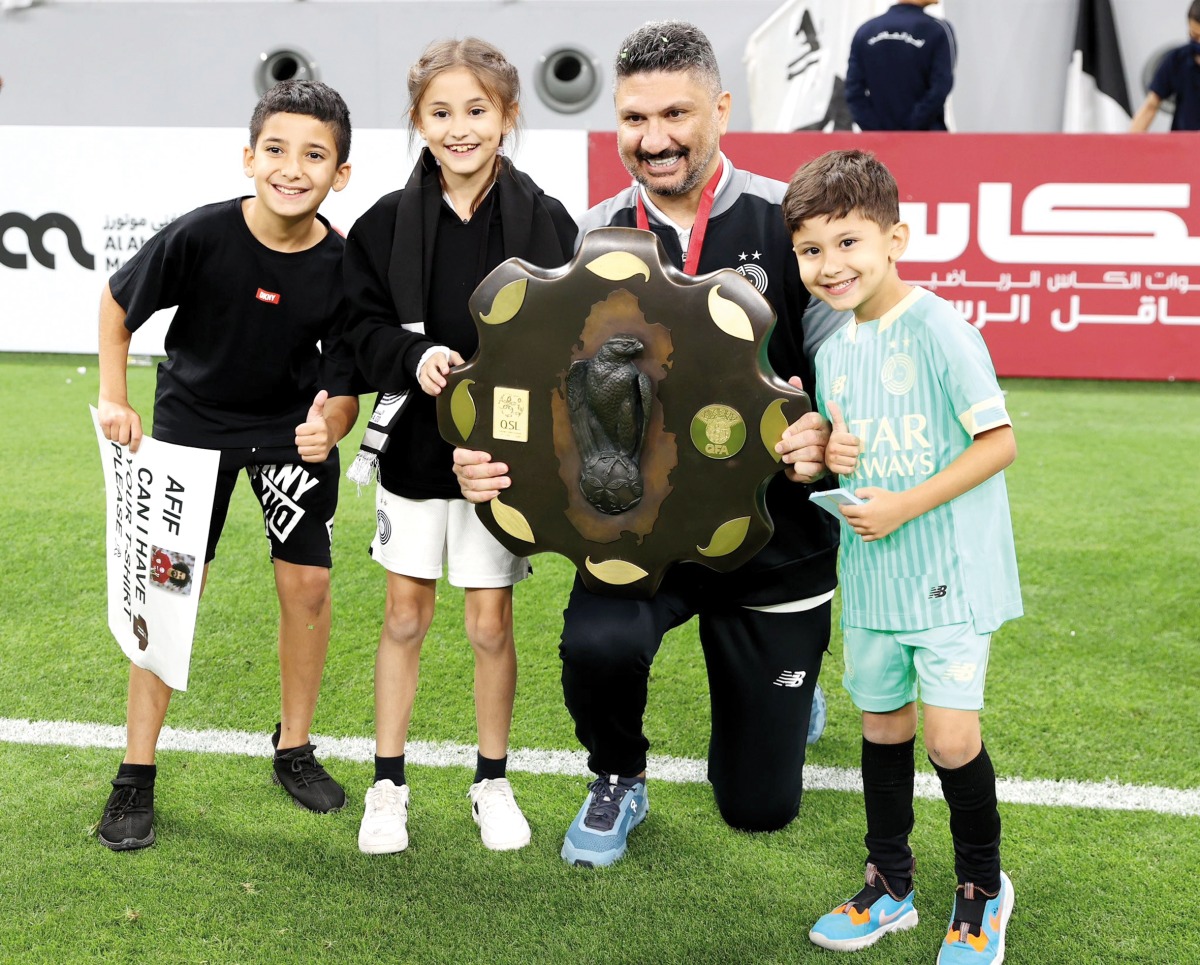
{"x": 937, "y": 592}
{"x": 790, "y": 678}
{"x": 962, "y": 673}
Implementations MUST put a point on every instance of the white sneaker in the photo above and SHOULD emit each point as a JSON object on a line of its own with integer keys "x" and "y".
{"x": 501, "y": 824}
{"x": 384, "y": 828}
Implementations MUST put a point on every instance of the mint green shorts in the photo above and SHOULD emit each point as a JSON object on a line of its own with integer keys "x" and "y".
{"x": 944, "y": 666}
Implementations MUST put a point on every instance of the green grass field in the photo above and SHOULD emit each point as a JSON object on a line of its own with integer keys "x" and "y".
{"x": 1099, "y": 682}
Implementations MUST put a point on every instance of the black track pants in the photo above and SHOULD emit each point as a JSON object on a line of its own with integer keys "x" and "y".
{"x": 762, "y": 668}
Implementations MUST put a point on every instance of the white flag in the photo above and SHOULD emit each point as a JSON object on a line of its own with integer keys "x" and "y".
{"x": 159, "y": 507}
{"x": 796, "y": 64}
{"x": 1097, "y": 95}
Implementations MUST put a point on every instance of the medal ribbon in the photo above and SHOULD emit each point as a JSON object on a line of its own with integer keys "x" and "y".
{"x": 699, "y": 226}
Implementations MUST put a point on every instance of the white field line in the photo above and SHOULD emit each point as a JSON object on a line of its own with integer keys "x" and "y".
{"x": 1106, "y": 795}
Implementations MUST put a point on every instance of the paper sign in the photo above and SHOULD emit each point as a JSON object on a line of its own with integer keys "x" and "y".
{"x": 156, "y": 532}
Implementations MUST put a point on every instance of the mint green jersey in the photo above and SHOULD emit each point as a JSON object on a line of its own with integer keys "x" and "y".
{"x": 916, "y": 386}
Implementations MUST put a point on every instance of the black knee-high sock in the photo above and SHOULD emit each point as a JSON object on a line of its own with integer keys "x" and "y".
{"x": 887, "y": 771}
{"x": 970, "y": 791}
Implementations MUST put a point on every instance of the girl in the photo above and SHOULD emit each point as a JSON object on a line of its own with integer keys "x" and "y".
{"x": 412, "y": 262}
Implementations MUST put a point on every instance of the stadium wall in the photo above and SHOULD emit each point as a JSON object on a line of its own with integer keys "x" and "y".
{"x": 1068, "y": 269}
{"x": 187, "y": 63}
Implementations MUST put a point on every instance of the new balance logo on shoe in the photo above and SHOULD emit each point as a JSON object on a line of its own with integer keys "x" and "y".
{"x": 790, "y": 678}
{"x": 600, "y": 831}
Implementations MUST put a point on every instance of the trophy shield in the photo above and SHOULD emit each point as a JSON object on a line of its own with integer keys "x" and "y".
{"x": 634, "y": 406}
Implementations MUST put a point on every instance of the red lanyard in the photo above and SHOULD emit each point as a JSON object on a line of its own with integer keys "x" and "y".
{"x": 699, "y": 226}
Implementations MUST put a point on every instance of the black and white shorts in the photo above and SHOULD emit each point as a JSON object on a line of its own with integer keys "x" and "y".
{"x": 298, "y": 500}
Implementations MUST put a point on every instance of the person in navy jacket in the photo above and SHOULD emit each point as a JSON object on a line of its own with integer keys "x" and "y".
{"x": 901, "y": 70}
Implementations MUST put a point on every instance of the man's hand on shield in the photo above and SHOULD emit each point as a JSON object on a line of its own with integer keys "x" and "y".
{"x": 803, "y": 444}
{"x": 479, "y": 478}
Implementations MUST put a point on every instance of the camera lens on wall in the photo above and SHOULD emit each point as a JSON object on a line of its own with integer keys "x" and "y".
{"x": 283, "y": 63}
{"x": 567, "y": 79}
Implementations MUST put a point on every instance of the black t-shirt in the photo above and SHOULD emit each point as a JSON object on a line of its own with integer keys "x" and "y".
{"x": 256, "y": 333}
{"x": 1178, "y": 76}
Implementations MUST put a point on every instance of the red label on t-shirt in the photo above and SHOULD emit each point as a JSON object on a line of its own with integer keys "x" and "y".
{"x": 271, "y": 298}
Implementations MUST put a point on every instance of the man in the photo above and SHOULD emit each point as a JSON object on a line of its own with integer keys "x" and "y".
{"x": 764, "y": 627}
{"x": 1177, "y": 76}
{"x": 901, "y": 70}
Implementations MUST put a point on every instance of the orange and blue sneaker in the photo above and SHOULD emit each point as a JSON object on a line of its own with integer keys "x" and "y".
{"x": 975, "y": 938}
{"x": 865, "y": 918}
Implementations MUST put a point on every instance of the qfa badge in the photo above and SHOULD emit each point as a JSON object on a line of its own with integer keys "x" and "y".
{"x": 718, "y": 431}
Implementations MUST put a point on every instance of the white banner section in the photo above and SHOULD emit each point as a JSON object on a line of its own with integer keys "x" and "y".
{"x": 796, "y": 64}
{"x": 159, "y": 505}
{"x": 66, "y": 226}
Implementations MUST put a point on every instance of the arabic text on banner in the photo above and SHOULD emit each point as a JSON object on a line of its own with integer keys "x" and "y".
{"x": 159, "y": 504}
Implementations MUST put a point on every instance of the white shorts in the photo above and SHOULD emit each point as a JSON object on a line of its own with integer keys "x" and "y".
{"x": 417, "y": 537}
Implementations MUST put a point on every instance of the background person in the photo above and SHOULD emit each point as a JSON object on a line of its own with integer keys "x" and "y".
{"x": 901, "y": 70}
{"x": 1178, "y": 76}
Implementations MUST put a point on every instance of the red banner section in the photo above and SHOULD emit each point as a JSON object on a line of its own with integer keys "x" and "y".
{"x": 1072, "y": 253}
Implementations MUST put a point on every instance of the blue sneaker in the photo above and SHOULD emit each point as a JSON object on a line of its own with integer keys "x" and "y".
{"x": 598, "y": 834}
{"x": 816, "y": 720}
{"x": 983, "y": 944}
{"x": 865, "y": 918}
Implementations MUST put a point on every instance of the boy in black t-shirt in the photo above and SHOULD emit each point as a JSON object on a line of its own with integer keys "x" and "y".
{"x": 257, "y": 281}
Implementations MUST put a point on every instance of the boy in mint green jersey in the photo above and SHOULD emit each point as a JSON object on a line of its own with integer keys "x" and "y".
{"x": 928, "y": 568}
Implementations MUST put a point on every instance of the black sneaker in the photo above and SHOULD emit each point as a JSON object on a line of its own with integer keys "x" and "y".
{"x": 298, "y": 772}
{"x": 128, "y": 820}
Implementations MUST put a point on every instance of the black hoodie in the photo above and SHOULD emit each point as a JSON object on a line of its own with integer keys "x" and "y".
{"x": 412, "y": 262}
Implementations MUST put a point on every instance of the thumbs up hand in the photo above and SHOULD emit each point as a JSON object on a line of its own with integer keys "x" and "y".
{"x": 313, "y": 439}
{"x": 841, "y": 455}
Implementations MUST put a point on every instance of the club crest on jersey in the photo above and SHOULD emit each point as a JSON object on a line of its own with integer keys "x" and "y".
{"x": 898, "y": 374}
{"x": 271, "y": 298}
{"x": 749, "y": 268}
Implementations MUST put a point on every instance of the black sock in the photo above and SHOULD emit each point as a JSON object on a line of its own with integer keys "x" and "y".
{"x": 389, "y": 769}
{"x": 489, "y": 768}
{"x": 142, "y": 774}
{"x": 970, "y": 791}
{"x": 888, "y": 771}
